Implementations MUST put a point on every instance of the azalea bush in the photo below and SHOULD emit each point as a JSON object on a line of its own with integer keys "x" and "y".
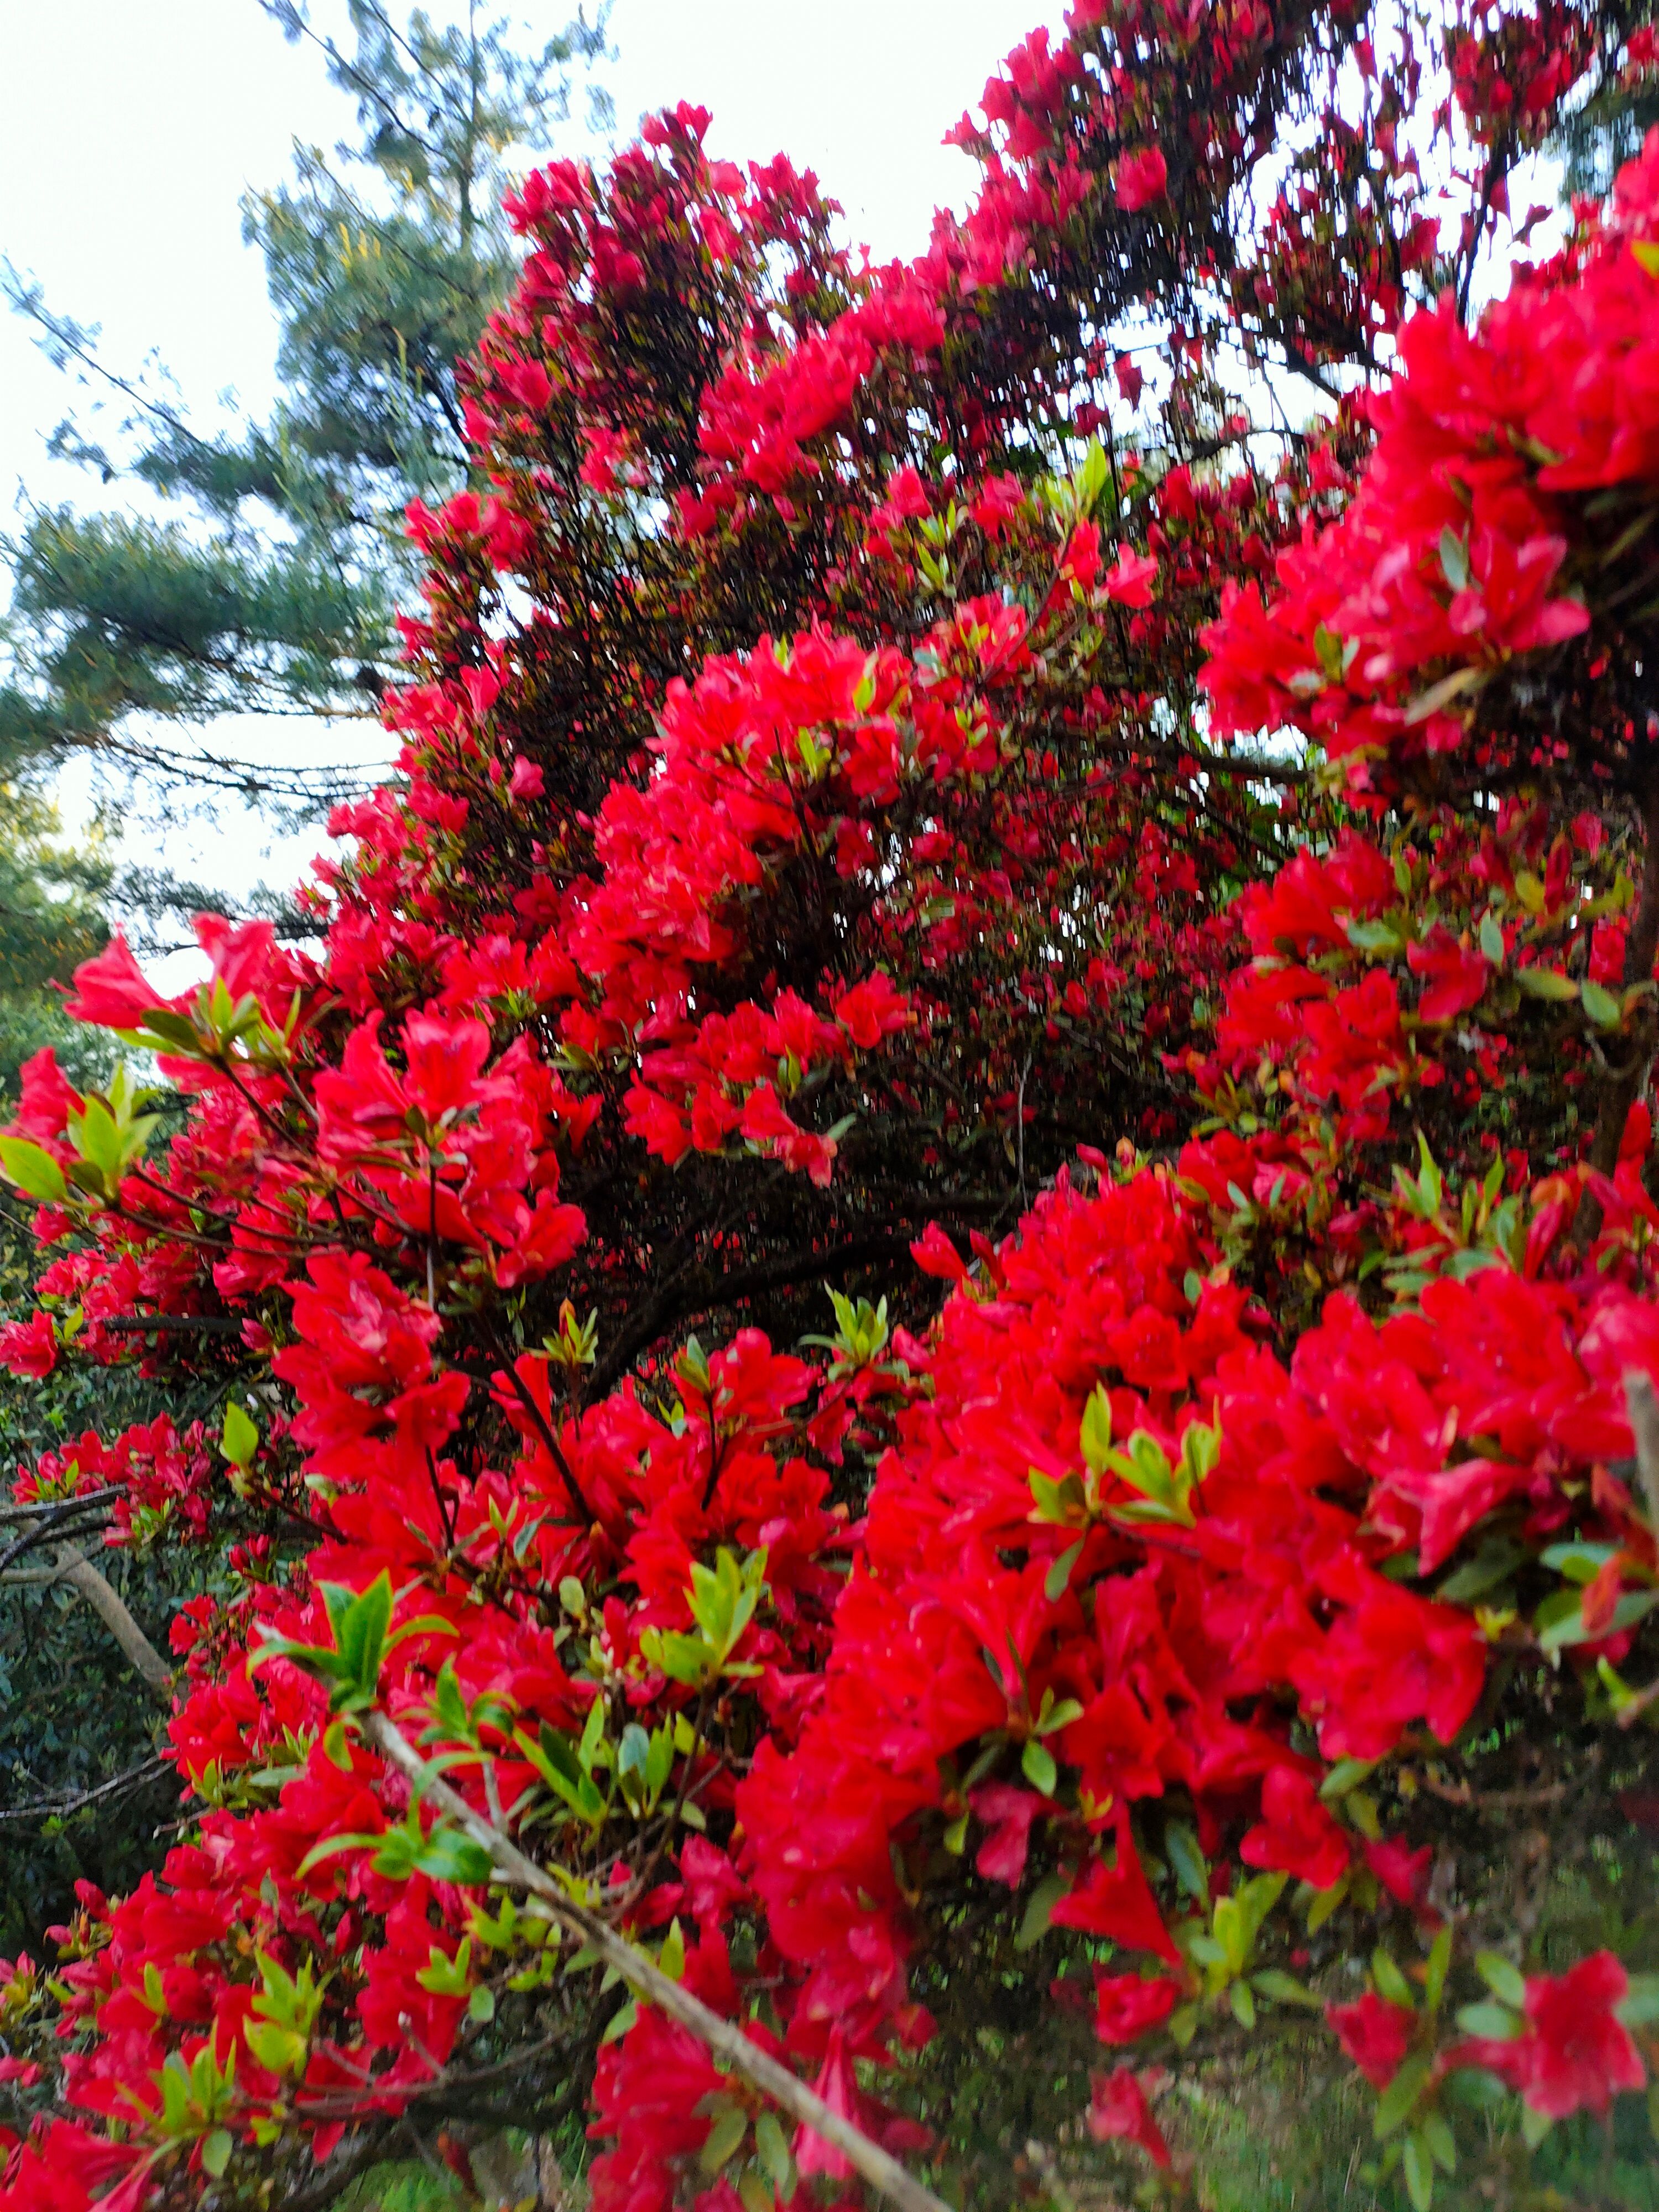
{"x": 934, "y": 1321}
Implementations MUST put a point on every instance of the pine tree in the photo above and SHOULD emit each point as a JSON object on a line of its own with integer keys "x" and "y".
{"x": 50, "y": 919}
{"x": 270, "y": 584}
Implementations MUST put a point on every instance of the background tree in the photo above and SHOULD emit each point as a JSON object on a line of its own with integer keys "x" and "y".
{"x": 1606, "y": 129}
{"x": 52, "y": 918}
{"x": 268, "y": 583}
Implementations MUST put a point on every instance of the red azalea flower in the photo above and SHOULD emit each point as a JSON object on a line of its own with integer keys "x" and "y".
{"x": 112, "y": 990}
{"x": 1296, "y": 1831}
{"x": 1142, "y": 178}
{"x": 1577, "y": 2054}
{"x": 1118, "y": 2110}
{"x": 29, "y": 1347}
{"x": 1375, "y": 2034}
{"x": 1127, "y": 2006}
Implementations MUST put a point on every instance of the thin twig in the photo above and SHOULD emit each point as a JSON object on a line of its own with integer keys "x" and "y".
{"x": 724, "y": 2038}
{"x": 526, "y": 1399}
{"x": 61, "y": 1808}
{"x": 168, "y": 1324}
{"x": 57, "y": 1523}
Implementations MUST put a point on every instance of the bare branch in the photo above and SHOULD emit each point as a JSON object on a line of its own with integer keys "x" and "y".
{"x": 60, "y": 1808}
{"x": 111, "y": 1607}
{"x": 724, "y": 2038}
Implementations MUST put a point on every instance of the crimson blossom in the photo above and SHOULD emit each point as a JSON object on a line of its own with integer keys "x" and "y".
{"x": 932, "y": 1314}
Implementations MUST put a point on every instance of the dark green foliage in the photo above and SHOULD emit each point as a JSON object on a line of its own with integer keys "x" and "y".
{"x": 73, "y": 1714}
{"x": 136, "y": 618}
{"x": 50, "y": 918}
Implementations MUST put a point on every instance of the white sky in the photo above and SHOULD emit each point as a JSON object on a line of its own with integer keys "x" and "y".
{"x": 129, "y": 132}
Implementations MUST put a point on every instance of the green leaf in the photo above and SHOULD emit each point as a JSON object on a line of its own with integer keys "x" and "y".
{"x": 1043, "y": 1898}
{"x": 1419, "y": 2165}
{"x": 1639, "y": 2007}
{"x": 481, "y": 2006}
{"x": 1534, "y": 2126}
{"x": 1390, "y": 1981}
{"x": 1361, "y": 1808}
{"x": 1557, "y": 1615}
{"x": 1096, "y": 1434}
{"x": 1058, "y": 1503}
{"x": 1599, "y": 1003}
{"x": 96, "y": 1139}
{"x": 359, "y": 1621}
{"x": 1324, "y": 1903}
{"x": 1347, "y": 1774}
{"x": 1494, "y": 2022}
{"x": 684, "y": 1659}
{"x": 1435, "y": 2131}
{"x": 772, "y": 2148}
{"x": 1491, "y": 938}
{"x": 1579, "y": 1561}
{"x": 1545, "y": 984}
{"x": 1375, "y": 936}
{"x": 1056, "y": 1581}
{"x": 449, "y": 1855}
{"x": 1497, "y": 1557}
{"x": 1036, "y": 1763}
{"x": 162, "y": 1025}
{"x": 1284, "y": 1989}
{"x": 1443, "y": 694}
{"x": 1089, "y": 480}
{"x": 556, "y": 1760}
{"x": 634, "y": 1752}
{"x": 1402, "y": 2094}
{"x": 240, "y": 1439}
{"x": 671, "y": 1957}
{"x": 731, "y": 2126}
{"x": 1188, "y": 1860}
{"x": 1567, "y": 1627}
{"x": 754, "y": 2191}
{"x": 215, "y": 2152}
{"x": 33, "y": 1170}
{"x": 1454, "y": 559}
{"x": 446, "y": 1976}
{"x": 1052, "y": 1717}
{"x": 1434, "y": 1985}
{"x": 1502, "y": 1977}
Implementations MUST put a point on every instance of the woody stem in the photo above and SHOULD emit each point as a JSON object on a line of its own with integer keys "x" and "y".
{"x": 723, "y": 2039}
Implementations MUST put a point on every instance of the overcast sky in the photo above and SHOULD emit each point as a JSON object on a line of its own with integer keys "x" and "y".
{"x": 128, "y": 134}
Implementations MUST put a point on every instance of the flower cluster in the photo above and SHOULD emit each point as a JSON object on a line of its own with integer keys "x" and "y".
{"x": 1513, "y": 465}
{"x": 813, "y": 867}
